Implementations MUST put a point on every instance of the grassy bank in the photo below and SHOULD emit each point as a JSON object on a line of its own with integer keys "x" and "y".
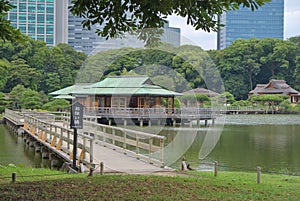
{"x": 41, "y": 184}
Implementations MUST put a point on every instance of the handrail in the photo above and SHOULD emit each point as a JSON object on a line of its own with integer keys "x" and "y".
{"x": 141, "y": 145}
{"x": 14, "y": 116}
{"x": 60, "y": 138}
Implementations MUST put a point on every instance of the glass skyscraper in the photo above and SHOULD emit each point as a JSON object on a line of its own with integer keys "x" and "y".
{"x": 266, "y": 22}
{"x": 39, "y": 19}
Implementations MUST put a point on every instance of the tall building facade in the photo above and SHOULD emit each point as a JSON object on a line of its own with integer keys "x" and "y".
{"x": 87, "y": 41}
{"x": 266, "y": 22}
{"x": 41, "y": 19}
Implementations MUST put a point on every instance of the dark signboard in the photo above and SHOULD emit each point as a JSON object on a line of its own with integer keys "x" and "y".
{"x": 77, "y": 116}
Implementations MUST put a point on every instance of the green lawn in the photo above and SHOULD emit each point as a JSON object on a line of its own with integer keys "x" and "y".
{"x": 41, "y": 184}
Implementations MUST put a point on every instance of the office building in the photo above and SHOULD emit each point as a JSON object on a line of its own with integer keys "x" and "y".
{"x": 266, "y": 22}
{"x": 87, "y": 41}
{"x": 41, "y": 19}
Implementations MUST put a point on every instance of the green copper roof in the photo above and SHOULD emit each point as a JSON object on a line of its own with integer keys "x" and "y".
{"x": 123, "y": 82}
{"x": 70, "y": 90}
{"x": 116, "y": 85}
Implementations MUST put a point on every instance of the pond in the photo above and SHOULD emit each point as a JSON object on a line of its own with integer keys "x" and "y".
{"x": 13, "y": 150}
{"x": 245, "y": 142}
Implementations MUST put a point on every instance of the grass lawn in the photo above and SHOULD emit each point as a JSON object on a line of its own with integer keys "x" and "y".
{"x": 42, "y": 184}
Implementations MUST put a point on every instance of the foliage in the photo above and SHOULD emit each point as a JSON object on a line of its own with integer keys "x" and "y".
{"x": 187, "y": 66}
{"x": 21, "y": 97}
{"x": 246, "y": 63}
{"x": 7, "y": 32}
{"x": 35, "y": 66}
{"x": 269, "y": 98}
{"x": 31, "y": 99}
{"x": 194, "y": 99}
{"x": 242, "y": 103}
{"x": 3, "y": 102}
{"x": 286, "y": 105}
{"x": 226, "y": 98}
{"x": 114, "y": 18}
{"x": 57, "y": 104}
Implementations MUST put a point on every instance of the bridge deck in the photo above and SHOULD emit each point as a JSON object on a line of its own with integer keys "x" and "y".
{"x": 117, "y": 162}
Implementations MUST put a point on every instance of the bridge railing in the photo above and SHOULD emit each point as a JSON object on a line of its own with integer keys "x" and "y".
{"x": 60, "y": 138}
{"x": 141, "y": 145}
{"x": 149, "y": 112}
{"x": 15, "y": 116}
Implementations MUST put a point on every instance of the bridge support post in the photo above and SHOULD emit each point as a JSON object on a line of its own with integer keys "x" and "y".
{"x": 125, "y": 122}
{"x": 141, "y": 123}
{"x": 101, "y": 168}
{"x": 205, "y": 122}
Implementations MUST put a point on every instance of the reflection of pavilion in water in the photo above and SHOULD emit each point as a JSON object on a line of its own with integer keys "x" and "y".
{"x": 132, "y": 100}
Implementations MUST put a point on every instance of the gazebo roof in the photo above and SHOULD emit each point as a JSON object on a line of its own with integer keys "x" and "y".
{"x": 118, "y": 85}
{"x": 273, "y": 87}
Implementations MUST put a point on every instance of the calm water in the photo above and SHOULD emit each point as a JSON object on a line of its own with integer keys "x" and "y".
{"x": 14, "y": 151}
{"x": 247, "y": 141}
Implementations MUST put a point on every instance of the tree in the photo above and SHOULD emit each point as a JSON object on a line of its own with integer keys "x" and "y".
{"x": 269, "y": 99}
{"x": 21, "y": 73}
{"x": 7, "y": 32}
{"x": 57, "y": 104}
{"x": 16, "y": 96}
{"x": 31, "y": 99}
{"x": 4, "y": 66}
{"x": 117, "y": 17}
{"x": 225, "y": 97}
{"x": 3, "y": 102}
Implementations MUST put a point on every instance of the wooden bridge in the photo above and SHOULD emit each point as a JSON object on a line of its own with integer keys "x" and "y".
{"x": 119, "y": 149}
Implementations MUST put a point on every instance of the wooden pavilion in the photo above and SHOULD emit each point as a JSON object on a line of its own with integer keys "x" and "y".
{"x": 276, "y": 87}
{"x": 118, "y": 96}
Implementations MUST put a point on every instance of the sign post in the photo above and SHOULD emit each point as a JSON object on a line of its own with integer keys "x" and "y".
{"x": 76, "y": 123}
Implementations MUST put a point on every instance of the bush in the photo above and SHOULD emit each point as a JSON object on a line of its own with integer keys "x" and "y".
{"x": 285, "y": 106}
{"x": 57, "y": 104}
{"x": 241, "y": 103}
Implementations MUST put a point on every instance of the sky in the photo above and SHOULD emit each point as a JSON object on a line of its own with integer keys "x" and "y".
{"x": 209, "y": 40}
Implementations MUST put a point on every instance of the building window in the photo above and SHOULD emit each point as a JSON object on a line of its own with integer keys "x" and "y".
{"x": 50, "y": 8}
{"x": 31, "y": 28}
{"x": 31, "y": 18}
{"x": 49, "y": 40}
{"x": 31, "y": 8}
{"x": 50, "y": 19}
{"x": 50, "y": 29}
{"x": 41, "y": 8}
{"x": 41, "y": 18}
{"x": 22, "y": 7}
{"x": 22, "y": 18}
{"x": 40, "y": 29}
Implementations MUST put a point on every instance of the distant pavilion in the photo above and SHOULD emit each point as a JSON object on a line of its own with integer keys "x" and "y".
{"x": 276, "y": 87}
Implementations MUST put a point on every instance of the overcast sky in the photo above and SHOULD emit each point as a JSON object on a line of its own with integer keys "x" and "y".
{"x": 209, "y": 40}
